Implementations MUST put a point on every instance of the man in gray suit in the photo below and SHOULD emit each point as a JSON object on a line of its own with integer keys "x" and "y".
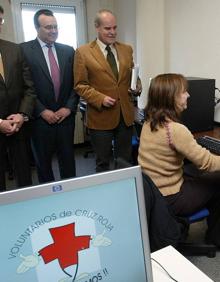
{"x": 51, "y": 66}
{"x": 17, "y": 99}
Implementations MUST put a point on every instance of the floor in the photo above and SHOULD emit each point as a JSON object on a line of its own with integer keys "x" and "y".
{"x": 85, "y": 165}
{"x": 210, "y": 266}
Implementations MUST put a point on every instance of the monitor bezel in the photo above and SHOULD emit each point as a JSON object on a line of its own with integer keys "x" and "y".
{"x": 42, "y": 190}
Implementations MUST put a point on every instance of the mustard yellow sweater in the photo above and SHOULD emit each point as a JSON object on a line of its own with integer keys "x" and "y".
{"x": 164, "y": 163}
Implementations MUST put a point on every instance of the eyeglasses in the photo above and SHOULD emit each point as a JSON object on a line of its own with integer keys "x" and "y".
{"x": 50, "y": 27}
{"x": 2, "y": 21}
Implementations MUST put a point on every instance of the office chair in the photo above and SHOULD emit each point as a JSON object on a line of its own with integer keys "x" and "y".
{"x": 175, "y": 231}
{"x": 192, "y": 248}
{"x": 135, "y": 146}
{"x": 163, "y": 227}
{"x": 178, "y": 236}
{"x": 82, "y": 109}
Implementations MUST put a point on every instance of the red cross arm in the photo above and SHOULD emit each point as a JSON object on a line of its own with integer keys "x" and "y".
{"x": 66, "y": 246}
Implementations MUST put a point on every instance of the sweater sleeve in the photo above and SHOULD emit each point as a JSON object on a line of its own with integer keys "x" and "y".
{"x": 186, "y": 145}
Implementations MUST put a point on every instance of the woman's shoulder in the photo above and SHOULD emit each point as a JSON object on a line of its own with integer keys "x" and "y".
{"x": 179, "y": 129}
{"x": 178, "y": 125}
{"x": 174, "y": 127}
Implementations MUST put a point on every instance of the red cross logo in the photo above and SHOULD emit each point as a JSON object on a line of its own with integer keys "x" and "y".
{"x": 65, "y": 247}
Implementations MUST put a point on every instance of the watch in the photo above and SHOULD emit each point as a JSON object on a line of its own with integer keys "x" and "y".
{"x": 26, "y": 117}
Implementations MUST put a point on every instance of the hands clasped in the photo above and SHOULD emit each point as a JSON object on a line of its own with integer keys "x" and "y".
{"x": 11, "y": 124}
{"x": 55, "y": 117}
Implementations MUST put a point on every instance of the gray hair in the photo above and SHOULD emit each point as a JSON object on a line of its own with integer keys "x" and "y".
{"x": 97, "y": 20}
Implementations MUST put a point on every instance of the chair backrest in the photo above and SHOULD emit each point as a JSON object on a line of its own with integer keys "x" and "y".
{"x": 164, "y": 227}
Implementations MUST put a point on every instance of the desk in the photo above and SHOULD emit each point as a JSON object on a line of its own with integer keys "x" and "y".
{"x": 178, "y": 267}
{"x": 212, "y": 133}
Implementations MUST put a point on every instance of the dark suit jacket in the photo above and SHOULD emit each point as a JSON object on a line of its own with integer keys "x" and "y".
{"x": 17, "y": 91}
{"x": 42, "y": 79}
{"x": 94, "y": 80}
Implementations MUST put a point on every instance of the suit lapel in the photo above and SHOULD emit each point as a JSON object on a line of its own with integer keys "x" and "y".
{"x": 98, "y": 55}
{"x": 122, "y": 60}
{"x": 5, "y": 52}
{"x": 39, "y": 55}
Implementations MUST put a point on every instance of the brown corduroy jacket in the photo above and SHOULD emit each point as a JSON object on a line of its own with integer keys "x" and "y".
{"x": 94, "y": 80}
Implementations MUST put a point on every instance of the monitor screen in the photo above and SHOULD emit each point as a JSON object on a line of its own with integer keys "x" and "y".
{"x": 86, "y": 229}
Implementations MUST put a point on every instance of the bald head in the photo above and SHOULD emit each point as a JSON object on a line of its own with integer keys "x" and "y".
{"x": 106, "y": 26}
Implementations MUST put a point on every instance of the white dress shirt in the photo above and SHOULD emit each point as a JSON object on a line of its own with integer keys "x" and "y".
{"x": 102, "y": 46}
{"x": 45, "y": 51}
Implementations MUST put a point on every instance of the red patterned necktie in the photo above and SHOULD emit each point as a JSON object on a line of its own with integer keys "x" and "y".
{"x": 55, "y": 72}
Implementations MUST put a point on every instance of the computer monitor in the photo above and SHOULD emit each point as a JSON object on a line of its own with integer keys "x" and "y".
{"x": 199, "y": 115}
{"x": 86, "y": 229}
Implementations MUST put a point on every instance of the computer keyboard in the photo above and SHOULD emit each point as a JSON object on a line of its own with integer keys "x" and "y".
{"x": 210, "y": 143}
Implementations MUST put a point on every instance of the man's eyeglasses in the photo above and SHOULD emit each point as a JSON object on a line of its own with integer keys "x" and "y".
{"x": 2, "y": 20}
{"x": 50, "y": 27}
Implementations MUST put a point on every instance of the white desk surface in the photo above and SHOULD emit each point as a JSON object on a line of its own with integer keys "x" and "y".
{"x": 178, "y": 267}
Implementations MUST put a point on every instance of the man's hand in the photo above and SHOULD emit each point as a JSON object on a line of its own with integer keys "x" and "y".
{"x": 50, "y": 116}
{"x": 108, "y": 102}
{"x": 137, "y": 91}
{"x": 17, "y": 120}
{"x": 62, "y": 113}
{"x": 8, "y": 127}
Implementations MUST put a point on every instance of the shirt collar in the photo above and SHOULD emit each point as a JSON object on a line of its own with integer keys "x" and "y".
{"x": 42, "y": 43}
{"x": 102, "y": 45}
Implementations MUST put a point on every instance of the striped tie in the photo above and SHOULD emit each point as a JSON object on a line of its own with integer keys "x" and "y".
{"x": 55, "y": 72}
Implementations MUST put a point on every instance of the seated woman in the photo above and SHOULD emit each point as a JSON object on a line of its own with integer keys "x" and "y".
{"x": 165, "y": 142}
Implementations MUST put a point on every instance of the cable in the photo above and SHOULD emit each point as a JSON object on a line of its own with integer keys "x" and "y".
{"x": 171, "y": 277}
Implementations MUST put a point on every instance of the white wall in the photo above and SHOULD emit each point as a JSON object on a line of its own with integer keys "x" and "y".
{"x": 193, "y": 39}
{"x": 150, "y": 41}
{"x": 125, "y": 11}
{"x": 92, "y": 7}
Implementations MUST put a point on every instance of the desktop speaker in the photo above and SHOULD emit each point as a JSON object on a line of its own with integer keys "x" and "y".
{"x": 199, "y": 115}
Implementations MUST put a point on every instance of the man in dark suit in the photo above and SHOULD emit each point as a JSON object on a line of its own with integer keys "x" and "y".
{"x": 102, "y": 73}
{"x": 51, "y": 66}
{"x": 17, "y": 99}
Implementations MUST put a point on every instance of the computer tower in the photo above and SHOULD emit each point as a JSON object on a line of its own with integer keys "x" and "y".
{"x": 199, "y": 115}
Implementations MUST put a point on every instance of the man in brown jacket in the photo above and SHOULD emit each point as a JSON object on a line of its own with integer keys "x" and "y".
{"x": 102, "y": 72}
{"x": 17, "y": 98}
